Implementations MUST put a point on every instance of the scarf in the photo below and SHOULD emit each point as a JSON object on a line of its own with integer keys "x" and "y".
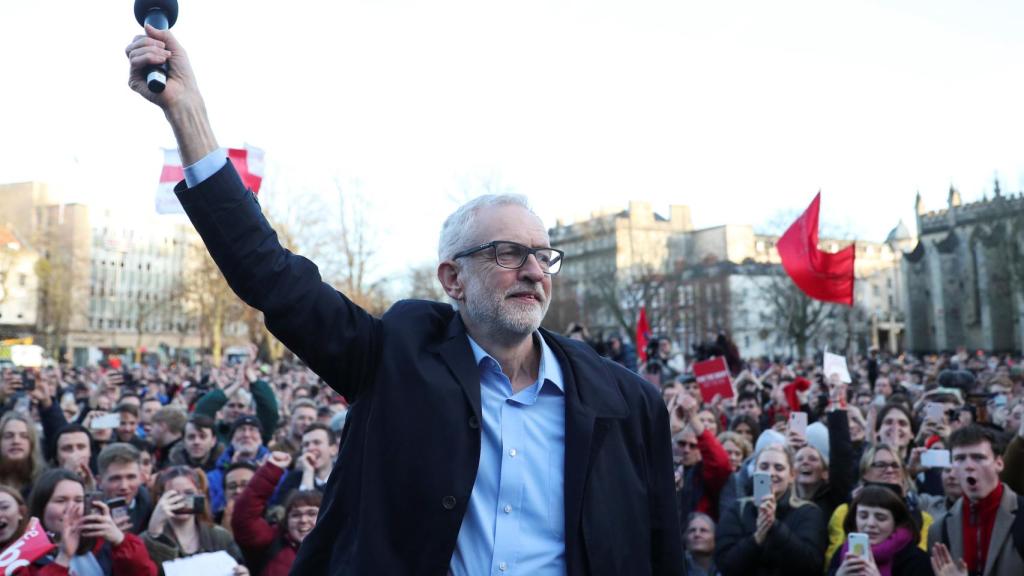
{"x": 886, "y": 550}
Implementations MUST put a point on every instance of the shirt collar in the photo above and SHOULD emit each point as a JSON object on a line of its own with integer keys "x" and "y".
{"x": 550, "y": 370}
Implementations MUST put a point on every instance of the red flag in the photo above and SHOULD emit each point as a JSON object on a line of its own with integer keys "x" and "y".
{"x": 642, "y": 330}
{"x": 821, "y": 275}
{"x": 248, "y": 163}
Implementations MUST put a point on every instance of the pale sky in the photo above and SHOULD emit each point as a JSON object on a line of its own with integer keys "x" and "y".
{"x": 741, "y": 109}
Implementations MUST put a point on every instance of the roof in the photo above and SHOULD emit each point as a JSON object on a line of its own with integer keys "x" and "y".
{"x": 900, "y": 232}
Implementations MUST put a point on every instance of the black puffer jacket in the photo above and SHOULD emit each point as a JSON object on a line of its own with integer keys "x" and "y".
{"x": 795, "y": 545}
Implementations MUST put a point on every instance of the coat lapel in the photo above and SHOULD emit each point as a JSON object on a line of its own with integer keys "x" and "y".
{"x": 1001, "y": 528}
{"x": 956, "y": 529}
{"x": 592, "y": 401}
{"x": 457, "y": 354}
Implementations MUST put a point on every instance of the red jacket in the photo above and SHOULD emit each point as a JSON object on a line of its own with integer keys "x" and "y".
{"x": 129, "y": 558}
{"x": 253, "y": 533}
{"x": 714, "y": 473}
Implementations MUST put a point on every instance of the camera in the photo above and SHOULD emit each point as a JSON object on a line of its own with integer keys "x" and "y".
{"x": 194, "y": 504}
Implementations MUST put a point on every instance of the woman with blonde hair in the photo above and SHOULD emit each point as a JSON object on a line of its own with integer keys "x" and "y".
{"x": 21, "y": 460}
{"x": 782, "y": 534}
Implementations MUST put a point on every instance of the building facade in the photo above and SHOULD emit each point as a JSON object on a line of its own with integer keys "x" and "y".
{"x": 696, "y": 284}
{"x": 105, "y": 282}
{"x": 965, "y": 277}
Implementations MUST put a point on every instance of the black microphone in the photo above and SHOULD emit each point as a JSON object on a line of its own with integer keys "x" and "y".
{"x": 160, "y": 14}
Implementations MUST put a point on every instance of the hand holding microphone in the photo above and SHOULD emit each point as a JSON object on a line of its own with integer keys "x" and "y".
{"x": 174, "y": 87}
{"x": 160, "y": 14}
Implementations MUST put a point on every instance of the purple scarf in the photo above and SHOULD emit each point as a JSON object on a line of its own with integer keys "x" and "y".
{"x": 886, "y": 550}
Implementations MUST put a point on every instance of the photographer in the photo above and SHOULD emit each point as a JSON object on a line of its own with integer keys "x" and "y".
{"x": 181, "y": 524}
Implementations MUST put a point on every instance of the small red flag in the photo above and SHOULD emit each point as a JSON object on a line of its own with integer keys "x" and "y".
{"x": 642, "y": 331}
{"x": 821, "y": 275}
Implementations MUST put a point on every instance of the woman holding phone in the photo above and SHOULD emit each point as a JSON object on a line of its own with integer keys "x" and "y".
{"x": 781, "y": 534}
{"x": 88, "y": 541}
{"x": 181, "y": 524}
{"x": 883, "y": 516}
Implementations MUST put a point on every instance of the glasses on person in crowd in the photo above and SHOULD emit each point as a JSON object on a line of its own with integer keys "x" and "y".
{"x": 691, "y": 445}
{"x": 884, "y": 465}
{"x": 513, "y": 255}
{"x": 240, "y": 485}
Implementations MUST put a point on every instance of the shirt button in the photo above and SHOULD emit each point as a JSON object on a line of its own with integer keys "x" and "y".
{"x": 474, "y": 423}
{"x": 503, "y": 566}
{"x": 512, "y": 452}
{"x": 508, "y": 509}
{"x": 448, "y": 502}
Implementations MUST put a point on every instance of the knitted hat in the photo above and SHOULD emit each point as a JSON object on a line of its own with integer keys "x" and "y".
{"x": 817, "y": 436}
{"x": 768, "y": 438}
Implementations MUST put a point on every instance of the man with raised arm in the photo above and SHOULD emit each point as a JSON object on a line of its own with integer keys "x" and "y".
{"x": 477, "y": 443}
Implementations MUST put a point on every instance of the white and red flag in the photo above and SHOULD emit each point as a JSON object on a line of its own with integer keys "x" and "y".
{"x": 248, "y": 163}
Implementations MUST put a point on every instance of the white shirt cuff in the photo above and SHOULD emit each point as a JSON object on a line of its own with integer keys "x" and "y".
{"x": 207, "y": 166}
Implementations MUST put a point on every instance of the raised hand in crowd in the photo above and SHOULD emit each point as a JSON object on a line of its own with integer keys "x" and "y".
{"x": 282, "y": 460}
{"x": 165, "y": 508}
{"x": 943, "y": 563}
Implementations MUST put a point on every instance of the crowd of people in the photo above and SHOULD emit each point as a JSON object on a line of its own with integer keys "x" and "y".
{"x": 925, "y": 456}
{"x": 129, "y": 468}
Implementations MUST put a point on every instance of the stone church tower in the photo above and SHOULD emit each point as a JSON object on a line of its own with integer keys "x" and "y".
{"x": 965, "y": 277}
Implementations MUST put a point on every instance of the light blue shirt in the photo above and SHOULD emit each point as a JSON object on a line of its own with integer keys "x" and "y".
{"x": 515, "y": 522}
{"x": 207, "y": 166}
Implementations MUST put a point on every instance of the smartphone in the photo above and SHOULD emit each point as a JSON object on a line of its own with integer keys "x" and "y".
{"x": 858, "y": 544}
{"x": 118, "y": 507}
{"x": 798, "y": 423}
{"x": 106, "y": 421}
{"x": 28, "y": 381}
{"x": 935, "y": 412}
{"x": 762, "y": 486}
{"x": 935, "y": 459}
{"x": 87, "y": 504}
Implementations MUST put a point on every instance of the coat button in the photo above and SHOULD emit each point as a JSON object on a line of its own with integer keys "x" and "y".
{"x": 474, "y": 423}
{"x": 448, "y": 502}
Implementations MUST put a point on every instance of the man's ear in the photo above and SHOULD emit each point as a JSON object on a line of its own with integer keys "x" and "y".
{"x": 448, "y": 275}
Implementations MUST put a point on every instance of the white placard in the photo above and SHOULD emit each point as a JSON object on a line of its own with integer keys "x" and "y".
{"x": 836, "y": 364}
{"x": 209, "y": 564}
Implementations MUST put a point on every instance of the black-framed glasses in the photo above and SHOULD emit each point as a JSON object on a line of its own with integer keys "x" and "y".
{"x": 513, "y": 255}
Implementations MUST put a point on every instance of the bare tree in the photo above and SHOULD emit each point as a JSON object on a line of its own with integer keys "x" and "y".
{"x": 423, "y": 283}
{"x": 798, "y": 316}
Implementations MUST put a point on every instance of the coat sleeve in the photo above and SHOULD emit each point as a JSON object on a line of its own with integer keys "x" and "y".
{"x": 251, "y": 530}
{"x": 266, "y": 408}
{"x": 798, "y": 544}
{"x": 842, "y": 470}
{"x": 131, "y": 558}
{"x": 736, "y": 551}
{"x": 160, "y": 548}
{"x": 52, "y": 420}
{"x": 836, "y": 532}
{"x": 1013, "y": 465}
{"x": 211, "y": 403}
{"x": 666, "y": 545}
{"x": 337, "y": 339}
{"x": 716, "y": 469}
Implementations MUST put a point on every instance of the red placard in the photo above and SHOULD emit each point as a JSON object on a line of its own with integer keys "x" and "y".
{"x": 713, "y": 379}
{"x": 32, "y": 545}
